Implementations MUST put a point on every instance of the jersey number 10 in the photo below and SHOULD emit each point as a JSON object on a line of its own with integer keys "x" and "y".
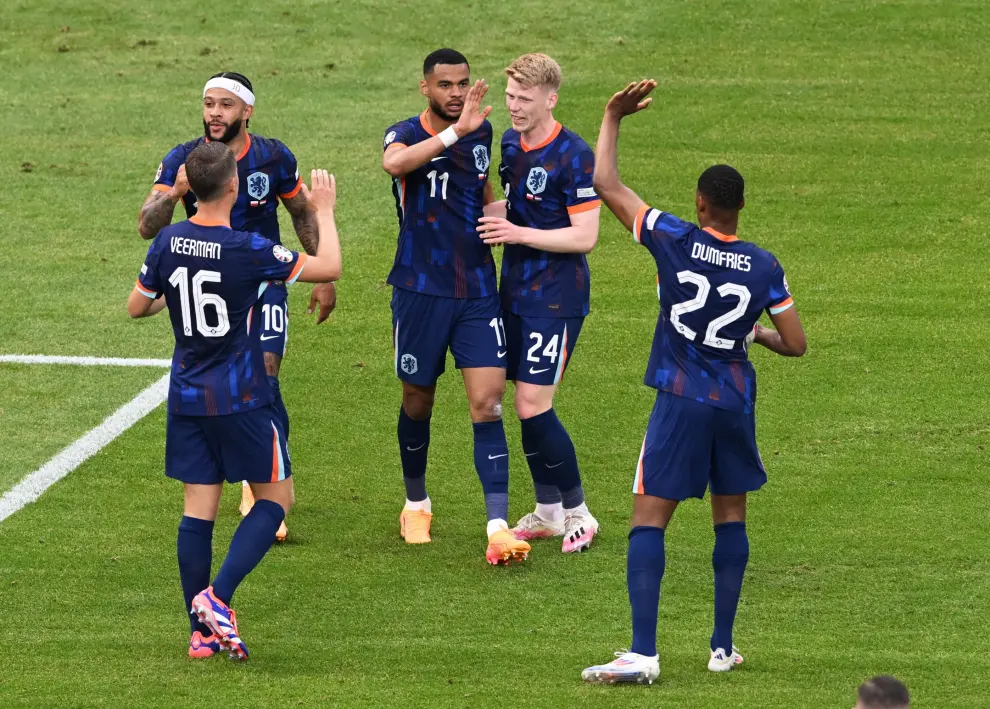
{"x": 180, "y": 279}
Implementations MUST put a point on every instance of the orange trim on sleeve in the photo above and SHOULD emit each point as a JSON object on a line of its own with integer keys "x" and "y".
{"x": 161, "y": 188}
{"x": 300, "y": 264}
{"x": 294, "y": 192}
{"x": 781, "y": 306}
{"x": 545, "y": 143}
{"x": 145, "y": 291}
{"x": 638, "y": 222}
{"x": 584, "y": 207}
{"x": 395, "y": 145}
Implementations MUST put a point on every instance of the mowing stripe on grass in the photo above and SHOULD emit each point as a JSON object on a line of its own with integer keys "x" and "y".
{"x": 34, "y": 485}
{"x": 86, "y": 361}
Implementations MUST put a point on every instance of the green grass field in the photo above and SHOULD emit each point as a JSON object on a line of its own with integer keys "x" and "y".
{"x": 861, "y": 129}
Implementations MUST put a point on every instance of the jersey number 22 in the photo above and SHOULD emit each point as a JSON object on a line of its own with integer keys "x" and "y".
{"x": 704, "y": 288}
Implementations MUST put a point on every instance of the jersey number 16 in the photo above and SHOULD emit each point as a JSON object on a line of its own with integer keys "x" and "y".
{"x": 180, "y": 279}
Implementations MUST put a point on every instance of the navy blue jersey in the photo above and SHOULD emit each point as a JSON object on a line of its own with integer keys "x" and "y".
{"x": 439, "y": 205}
{"x": 212, "y": 277}
{"x": 712, "y": 289}
{"x": 544, "y": 185}
{"x": 267, "y": 170}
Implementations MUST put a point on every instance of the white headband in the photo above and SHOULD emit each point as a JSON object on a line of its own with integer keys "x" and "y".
{"x": 235, "y": 87}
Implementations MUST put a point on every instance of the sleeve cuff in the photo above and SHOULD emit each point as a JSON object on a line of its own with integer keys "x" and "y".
{"x": 584, "y": 206}
{"x": 638, "y": 223}
{"x": 782, "y": 306}
{"x": 300, "y": 265}
{"x": 294, "y": 192}
{"x": 159, "y": 187}
{"x": 145, "y": 292}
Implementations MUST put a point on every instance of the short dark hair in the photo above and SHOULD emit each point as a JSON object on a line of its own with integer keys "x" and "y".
{"x": 239, "y": 78}
{"x": 208, "y": 168}
{"x": 884, "y": 692}
{"x": 723, "y": 186}
{"x": 443, "y": 56}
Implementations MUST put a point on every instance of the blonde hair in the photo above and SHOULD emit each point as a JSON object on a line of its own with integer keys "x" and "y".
{"x": 533, "y": 70}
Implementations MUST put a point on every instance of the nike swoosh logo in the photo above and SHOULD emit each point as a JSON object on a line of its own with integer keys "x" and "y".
{"x": 500, "y": 455}
{"x": 556, "y": 466}
{"x": 530, "y": 455}
{"x": 441, "y": 157}
{"x": 501, "y": 354}
{"x": 538, "y": 371}
{"x": 413, "y": 450}
{"x": 270, "y": 337}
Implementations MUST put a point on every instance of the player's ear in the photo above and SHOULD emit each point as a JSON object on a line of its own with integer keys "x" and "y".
{"x": 742, "y": 204}
{"x": 424, "y": 88}
{"x": 552, "y": 100}
{"x": 234, "y": 184}
{"x": 699, "y": 203}
{"x": 248, "y": 113}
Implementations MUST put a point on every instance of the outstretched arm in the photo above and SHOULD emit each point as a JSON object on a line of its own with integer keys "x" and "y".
{"x": 303, "y": 221}
{"x": 623, "y": 202}
{"x": 400, "y": 160}
{"x": 578, "y": 238}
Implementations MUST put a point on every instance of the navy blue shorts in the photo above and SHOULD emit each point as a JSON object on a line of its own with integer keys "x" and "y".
{"x": 424, "y": 327}
{"x": 539, "y": 348}
{"x": 690, "y": 446}
{"x": 206, "y": 450}
{"x": 272, "y": 313}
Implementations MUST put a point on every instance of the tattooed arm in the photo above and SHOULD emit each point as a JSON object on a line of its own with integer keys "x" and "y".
{"x": 304, "y": 221}
{"x": 156, "y": 212}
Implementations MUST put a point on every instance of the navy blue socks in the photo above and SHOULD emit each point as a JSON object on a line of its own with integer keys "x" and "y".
{"x": 729, "y": 559}
{"x": 252, "y": 540}
{"x": 555, "y": 462}
{"x": 414, "y": 443}
{"x": 644, "y": 571}
{"x": 195, "y": 549}
{"x": 491, "y": 460}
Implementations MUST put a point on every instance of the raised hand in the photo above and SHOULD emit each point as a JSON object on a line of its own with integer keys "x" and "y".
{"x": 631, "y": 99}
{"x": 472, "y": 115}
{"x": 181, "y": 185}
{"x": 323, "y": 194}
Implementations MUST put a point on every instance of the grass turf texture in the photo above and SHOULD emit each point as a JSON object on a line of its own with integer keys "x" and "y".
{"x": 860, "y": 129}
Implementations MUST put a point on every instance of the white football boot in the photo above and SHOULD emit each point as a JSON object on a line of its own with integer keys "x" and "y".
{"x": 722, "y": 662}
{"x": 627, "y": 667}
{"x": 579, "y": 529}
{"x": 532, "y": 526}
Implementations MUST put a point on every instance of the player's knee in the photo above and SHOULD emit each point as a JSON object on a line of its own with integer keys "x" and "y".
{"x": 531, "y": 403}
{"x": 487, "y": 407}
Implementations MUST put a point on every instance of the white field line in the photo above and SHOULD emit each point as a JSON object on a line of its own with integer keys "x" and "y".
{"x": 31, "y": 488}
{"x": 86, "y": 361}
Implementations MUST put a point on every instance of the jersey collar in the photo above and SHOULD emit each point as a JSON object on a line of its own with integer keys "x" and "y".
{"x": 553, "y": 135}
{"x": 199, "y": 221}
{"x": 720, "y": 236}
{"x": 247, "y": 145}
{"x": 424, "y": 120}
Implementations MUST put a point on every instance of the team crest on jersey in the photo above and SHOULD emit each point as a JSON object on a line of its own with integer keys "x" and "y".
{"x": 408, "y": 364}
{"x": 257, "y": 184}
{"x": 389, "y": 138}
{"x": 158, "y": 175}
{"x": 537, "y": 180}
{"x": 282, "y": 253}
{"x": 481, "y": 160}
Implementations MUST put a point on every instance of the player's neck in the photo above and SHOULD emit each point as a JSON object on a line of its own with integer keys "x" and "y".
{"x": 237, "y": 144}
{"x": 540, "y": 132}
{"x": 212, "y": 214}
{"x": 727, "y": 227}
{"x": 436, "y": 122}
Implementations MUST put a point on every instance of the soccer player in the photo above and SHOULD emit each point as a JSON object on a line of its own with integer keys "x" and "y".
{"x": 883, "y": 692}
{"x": 713, "y": 288}
{"x": 548, "y": 222}
{"x": 268, "y": 174}
{"x": 444, "y": 294}
{"x": 222, "y": 422}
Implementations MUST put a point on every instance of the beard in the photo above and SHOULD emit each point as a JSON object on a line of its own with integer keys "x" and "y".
{"x": 232, "y": 131}
{"x": 438, "y": 111}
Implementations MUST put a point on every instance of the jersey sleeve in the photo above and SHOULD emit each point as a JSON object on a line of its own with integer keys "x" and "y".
{"x": 289, "y": 182}
{"x": 780, "y": 298}
{"x": 273, "y": 262}
{"x": 169, "y": 168}
{"x": 579, "y": 189}
{"x": 651, "y": 226}
{"x": 400, "y": 134}
{"x": 149, "y": 281}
